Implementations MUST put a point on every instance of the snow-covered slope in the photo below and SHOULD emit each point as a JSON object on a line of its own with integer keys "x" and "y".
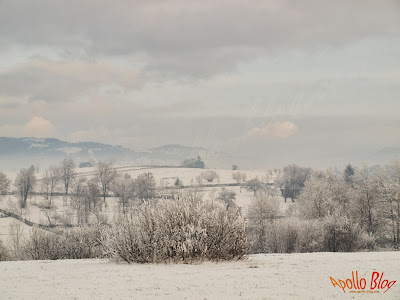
{"x": 266, "y": 276}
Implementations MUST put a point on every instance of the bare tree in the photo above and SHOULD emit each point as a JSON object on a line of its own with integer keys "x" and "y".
{"x": 85, "y": 199}
{"x": 93, "y": 198}
{"x": 68, "y": 174}
{"x": 50, "y": 212}
{"x": 227, "y": 197}
{"x": 124, "y": 190}
{"x": 240, "y": 178}
{"x": 106, "y": 174}
{"x": 49, "y": 182}
{"x": 4, "y": 184}
{"x": 79, "y": 201}
{"x": 25, "y": 184}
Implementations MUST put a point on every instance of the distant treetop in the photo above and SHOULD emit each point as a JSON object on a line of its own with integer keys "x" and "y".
{"x": 193, "y": 163}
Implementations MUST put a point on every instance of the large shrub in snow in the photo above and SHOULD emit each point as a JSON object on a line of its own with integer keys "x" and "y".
{"x": 177, "y": 230}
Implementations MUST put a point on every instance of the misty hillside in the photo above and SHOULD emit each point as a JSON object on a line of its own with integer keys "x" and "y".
{"x": 21, "y": 152}
{"x": 175, "y": 154}
{"x": 16, "y": 153}
{"x": 386, "y": 155}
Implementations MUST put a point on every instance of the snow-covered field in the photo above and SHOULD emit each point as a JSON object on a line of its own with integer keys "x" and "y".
{"x": 266, "y": 276}
{"x": 167, "y": 176}
{"x": 164, "y": 177}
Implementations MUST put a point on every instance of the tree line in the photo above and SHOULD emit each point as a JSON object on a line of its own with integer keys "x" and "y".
{"x": 357, "y": 209}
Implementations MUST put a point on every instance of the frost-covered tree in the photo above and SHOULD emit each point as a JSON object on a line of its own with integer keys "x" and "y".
{"x": 240, "y": 178}
{"x": 4, "y": 183}
{"x": 25, "y": 183}
{"x": 15, "y": 236}
{"x": 145, "y": 186}
{"x": 262, "y": 211}
{"x": 209, "y": 175}
{"x": 254, "y": 185}
{"x": 389, "y": 191}
{"x": 325, "y": 194}
{"x": 367, "y": 200}
{"x": 292, "y": 181}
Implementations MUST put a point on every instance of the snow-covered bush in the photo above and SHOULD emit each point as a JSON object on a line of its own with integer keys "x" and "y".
{"x": 41, "y": 245}
{"x": 341, "y": 234}
{"x": 333, "y": 234}
{"x": 311, "y": 236}
{"x": 177, "y": 230}
{"x": 76, "y": 243}
{"x": 82, "y": 242}
{"x": 4, "y": 253}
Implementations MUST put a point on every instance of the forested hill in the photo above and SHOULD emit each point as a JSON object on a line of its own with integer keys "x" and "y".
{"x": 16, "y": 153}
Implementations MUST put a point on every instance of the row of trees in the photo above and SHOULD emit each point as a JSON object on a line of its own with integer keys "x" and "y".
{"x": 84, "y": 193}
{"x": 358, "y": 209}
{"x": 26, "y": 181}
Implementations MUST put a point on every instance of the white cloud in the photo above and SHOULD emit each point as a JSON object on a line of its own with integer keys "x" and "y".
{"x": 281, "y": 130}
{"x": 38, "y": 127}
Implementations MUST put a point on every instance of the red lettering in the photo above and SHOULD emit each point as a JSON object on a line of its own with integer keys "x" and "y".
{"x": 342, "y": 285}
{"x": 382, "y": 286}
{"x": 390, "y": 285}
{"x": 354, "y": 283}
{"x": 380, "y": 279}
{"x": 374, "y": 280}
{"x": 365, "y": 283}
{"x": 351, "y": 283}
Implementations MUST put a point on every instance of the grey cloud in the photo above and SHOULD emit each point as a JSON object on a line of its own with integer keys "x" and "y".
{"x": 57, "y": 81}
{"x": 197, "y": 38}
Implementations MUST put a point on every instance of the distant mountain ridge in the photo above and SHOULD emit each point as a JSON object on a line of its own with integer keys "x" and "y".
{"x": 16, "y": 153}
{"x": 9, "y": 145}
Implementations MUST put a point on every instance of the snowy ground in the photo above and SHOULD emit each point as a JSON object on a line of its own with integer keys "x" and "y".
{"x": 267, "y": 276}
{"x": 167, "y": 176}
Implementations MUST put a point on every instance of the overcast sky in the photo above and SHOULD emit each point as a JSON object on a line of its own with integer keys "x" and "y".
{"x": 313, "y": 82}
